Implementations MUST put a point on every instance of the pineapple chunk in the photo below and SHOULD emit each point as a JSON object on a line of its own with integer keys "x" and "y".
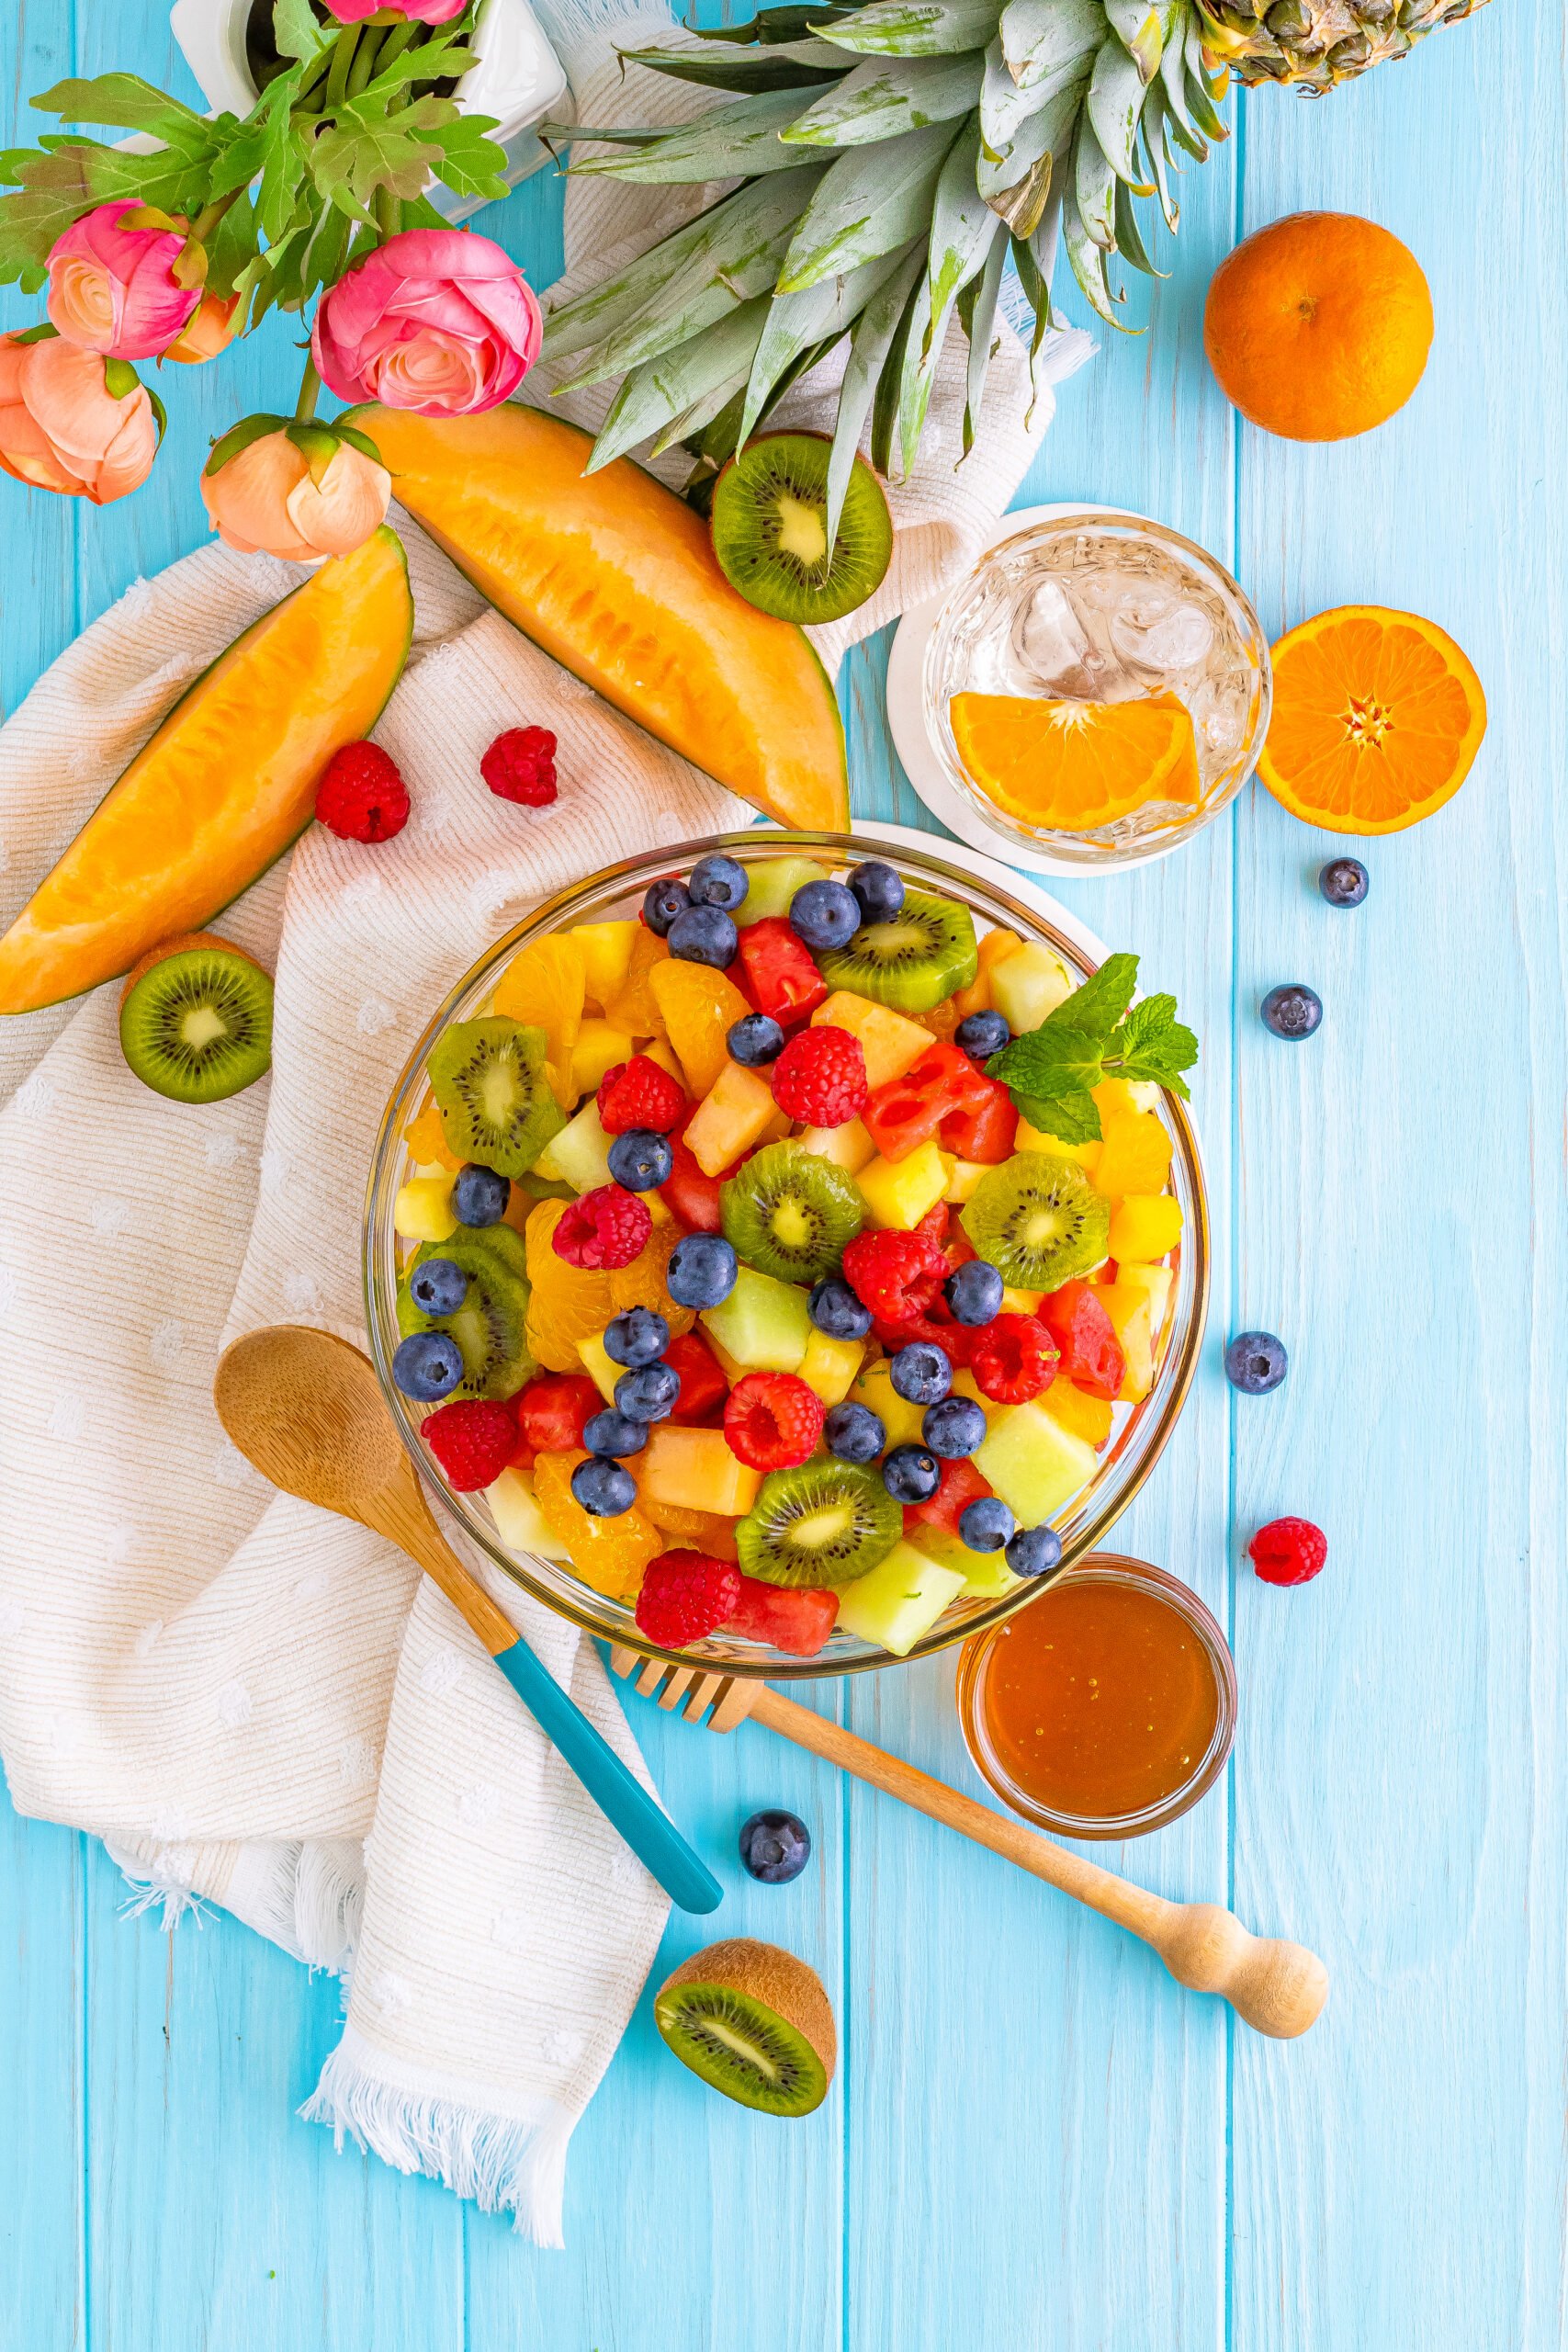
{"x": 1143, "y": 1226}
{"x": 1156, "y": 1281}
{"x": 1074, "y": 1411}
{"x": 1028, "y": 984}
{"x": 1032, "y": 1462}
{"x": 763, "y": 1325}
{"x": 600, "y": 1365}
{"x": 828, "y": 1366}
{"x": 994, "y": 949}
{"x": 1036, "y": 1140}
{"x": 848, "y": 1146}
{"x": 600, "y": 1045}
{"x": 422, "y": 1210}
{"x": 899, "y": 1600}
{"x": 660, "y": 1050}
{"x": 519, "y": 1521}
{"x": 773, "y": 885}
{"x": 965, "y": 1177}
{"x": 987, "y": 1576}
{"x": 695, "y": 1469}
{"x": 899, "y": 1416}
{"x": 1018, "y": 1301}
{"x": 1134, "y": 1157}
{"x": 1125, "y": 1094}
{"x": 730, "y": 1119}
{"x": 899, "y": 1193}
{"x": 606, "y": 956}
{"x": 580, "y": 1155}
{"x": 891, "y": 1044}
{"x": 1128, "y": 1306}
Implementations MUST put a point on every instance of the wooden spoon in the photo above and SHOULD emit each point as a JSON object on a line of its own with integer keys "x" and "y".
{"x": 308, "y": 1411}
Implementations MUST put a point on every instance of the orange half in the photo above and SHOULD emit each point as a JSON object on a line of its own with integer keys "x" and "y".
{"x": 1377, "y": 717}
{"x": 1075, "y": 766}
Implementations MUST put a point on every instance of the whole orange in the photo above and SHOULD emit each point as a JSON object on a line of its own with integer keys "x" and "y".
{"x": 1318, "y": 327}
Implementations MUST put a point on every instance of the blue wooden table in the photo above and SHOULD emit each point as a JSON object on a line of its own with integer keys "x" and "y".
{"x": 1037, "y": 2141}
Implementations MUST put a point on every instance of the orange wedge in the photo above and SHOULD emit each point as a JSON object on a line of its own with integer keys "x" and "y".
{"x": 1377, "y": 717}
{"x": 1076, "y": 765}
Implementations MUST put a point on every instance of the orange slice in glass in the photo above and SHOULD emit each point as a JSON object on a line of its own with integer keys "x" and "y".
{"x": 1076, "y": 765}
{"x": 1377, "y": 717}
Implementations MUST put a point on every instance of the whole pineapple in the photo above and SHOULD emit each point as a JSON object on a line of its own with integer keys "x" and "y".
{"x": 891, "y": 158}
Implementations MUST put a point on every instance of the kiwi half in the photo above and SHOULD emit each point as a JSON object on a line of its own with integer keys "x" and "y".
{"x": 769, "y": 530}
{"x": 753, "y": 2022}
{"x": 196, "y": 1019}
{"x": 913, "y": 961}
{"x": 496, "y": 1103}
{"x": 789, "y": 1212}
{"x": 490, "y": 1325}
{"x": 825, "y": 1523}
{"x": 1038, "y": 1220}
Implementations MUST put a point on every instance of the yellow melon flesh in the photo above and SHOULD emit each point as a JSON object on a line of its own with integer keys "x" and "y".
{"x": 224, "y": 786}
{"x": 614, "y": 576}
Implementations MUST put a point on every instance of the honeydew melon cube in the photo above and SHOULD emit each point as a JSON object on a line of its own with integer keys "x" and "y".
{"x": 987, "y": 1576}
{"x": 891, "y": 1044}
{"x": 1028, "y": 984}
{"x": 730, "y": 1119}
{"x": 899, "y": 1193}
{"x": 1143, "y": 1226}
{"x": 1032, "y": 1462}
{"x": 899, "y": 1416}
{"x": 828, "y": 1366}
{"x": 848, "y": 1146}
{"x": 606, "y": 956}
{"x": 580, "y": 1155}
{"x": 696, "y": 1470}
{"x": 899, "y": 1600}
{"x": 1156, "y": 1281}
{"x": 422, "y": 1210}
{"x": 600, "y": 1045}
{"x": 1129, "y": 1308}
{"x": 600, "y": 1365}
{"x": 519, "y": 1521}
{"x": 726, "y": 1362}
{"x": 763, "y": 1325}
{"x": 771, "y": 887}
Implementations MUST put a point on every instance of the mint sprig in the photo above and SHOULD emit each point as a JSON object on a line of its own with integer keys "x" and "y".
{"x": 1095, "y": 1033}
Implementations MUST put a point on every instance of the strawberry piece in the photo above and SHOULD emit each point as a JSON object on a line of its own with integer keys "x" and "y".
{"x": 473, "y": 1440}
{"x": 1013, "y": 1357}
{"x": 703, "y": 1385}
{"x": 772, "y": 1420}
{"x": 638, "y": 1093}
{"x": 821, "y": 1077}
{"x": 1288, "y": 1551}
{"x": 797, "y": 1618}
{"x": 1091, "y": 1354}
{"x": 553, "y": 1411}
{"x": 686, "y": 1596}
{"x": 908, "y": 1112}
{"x": 961, "y": 1486}
{"x": 688, "y": 1194}
{"x": 780, "y": 977}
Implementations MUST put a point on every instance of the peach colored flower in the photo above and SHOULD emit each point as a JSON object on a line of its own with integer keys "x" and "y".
{"x": 124, "y": 279}
{"x": 439, "y": 321}
{"x": 296, "y": 490}
{"x": 73, "y": 421}
{"x": 210, "y": 328}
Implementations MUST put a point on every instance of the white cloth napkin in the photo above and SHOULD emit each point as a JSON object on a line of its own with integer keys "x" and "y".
{"x": 251, "y": 1701}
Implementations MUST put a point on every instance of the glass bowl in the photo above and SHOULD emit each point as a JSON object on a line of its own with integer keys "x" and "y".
{"x": 1108, "y": 560}
{"x": 1136, "y": 1443}
{"x": 1108, "y": 1568}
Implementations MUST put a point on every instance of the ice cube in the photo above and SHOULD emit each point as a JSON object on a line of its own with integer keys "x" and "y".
{"x": 1175, "y": 637}
{"x": 1050, "y": 644}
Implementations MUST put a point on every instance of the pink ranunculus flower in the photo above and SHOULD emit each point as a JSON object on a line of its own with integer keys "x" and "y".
{"x": 421, "y": 12}
{"x": 439, "y": 321}
{"x": 73, "y": 421}
{"x": 123, "y": 280}
{"x": 211, "y": 328}
{"x": 298, "y": 490}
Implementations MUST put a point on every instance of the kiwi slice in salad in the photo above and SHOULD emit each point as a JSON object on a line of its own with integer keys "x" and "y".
{"x": 496, "y": 1103}
{"x": 196, "y": 1019}
{"x": 753, "y": 2022}
{"x": 824, "y": 1523}
{"x": 913, "y": 961}
{"x": 1038, "y": 1220}
{"x": 789, "y": 1212}
{"x": 769, "y": 530}
{"x": 490, "y": 1325}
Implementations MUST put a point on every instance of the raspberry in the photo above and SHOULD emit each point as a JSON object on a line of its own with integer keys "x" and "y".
{"x": 607, "y": 1227}
{"x": 520, "y": 765}
{"x": 772, "y": 1420}
{"x": 821, "y": 1077}
{"x": 552, "y": 1413}
{"x": 1013, "y": 1358}
{"x": 895, "y": 1274}
{"x": 473, "y": 1441}
{"x": 361, "y": 797}
{"x": 1288, "y": 1551}
{"x": 639, "y": 1095}
{"x": 686, "y": 1596}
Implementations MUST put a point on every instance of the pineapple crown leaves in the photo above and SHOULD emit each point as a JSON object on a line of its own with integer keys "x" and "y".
{"x": 1095, "y": 1033}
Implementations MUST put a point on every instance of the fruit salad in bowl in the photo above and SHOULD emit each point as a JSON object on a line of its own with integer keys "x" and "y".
{"x": 782, "y": 1253}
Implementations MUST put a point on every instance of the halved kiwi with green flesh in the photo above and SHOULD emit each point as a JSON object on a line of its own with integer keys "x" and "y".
{"x": 196, "y": 1019}
{"x": 789, "y": 1212}
{"x": 490, "y": 1325}
{"x": 913, "y": 961}
{"x": 496, "y": 1103}
{"x": 825, "y": 1523}
{"x": 753, "y": 2022}
{"x": 769, "y": 530}
{"x": 1038, "y": 1220}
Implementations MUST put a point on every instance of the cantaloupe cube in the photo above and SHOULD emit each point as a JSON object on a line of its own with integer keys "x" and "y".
{"x": 1081, "y": 1415}
{"x": 899, "y": 1416}
{"x": 828, "y": 1366}
{"x": 1028, "y": 984}
{"x": 580, "y": 1155}
{"x": 1032, "y": 1462}
{"x": 899, "y": 1193}
{"x": 1157, "y": 1282}
{"x": 422, "y": 1210}
{"x": 1128, "y": 1306}
{"x": 700, "y": 1007}
{"x": 730, "y": 1119}
{"x": 848, "y": 1146}
{"x": 606, "y": 954}
{"x": 899, "y": 1600}
{"x": 1143, "y": 1226}
{"x": 600, "y": 1045}
{"x": 695, "y": 1469}
{"x": 994, "y": 949}
{"x": 1029, "y": 1138}
{"x": 763, "y": 1325}
{"x": 891, "y": 1044}
{"x": 600, "y": 1365}
{"x": 519, "y": 1521}
{"x": 1134, "y": 1156}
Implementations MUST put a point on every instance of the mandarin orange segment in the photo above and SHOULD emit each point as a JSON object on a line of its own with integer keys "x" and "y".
{"x": 699, "y": 1528}
{"x": 634, "y": 1007}
{"x": 611, "y": 1554}
{"x": 545, "y": 986}
{"x": 566, "y": 1303}
{"x": 1378, "y": 717}
{"x": 700, "y": 1007}
{"x": 1075, "y": 766}
{"x": 427, "y": 1139}
{"x": 642, "y": 1282}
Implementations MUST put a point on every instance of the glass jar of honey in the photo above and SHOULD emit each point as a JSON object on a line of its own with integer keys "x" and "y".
{"x": 1107, "y": 1707}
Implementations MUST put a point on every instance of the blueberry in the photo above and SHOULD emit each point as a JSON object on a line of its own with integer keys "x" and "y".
{"x": 1033, "y": 1550}
{"x": 980, "y": 1035}
{"x": 1292, "y": 1010}
{"x": 824, "y": 914}
{"x": 614, "y": 1432}
{"x": 837, "y": 1311}
{"x": 437, "y": 1286}
{"x": 755, "y": 1040}
{"x": 649, "y": 1393}
{"x": 641, "y": 1159}
{"x": 973, "y": 1292}
{"x": 1255, "y": 1361}
{"x": 854, "y": 1433}
{"x": 700, "y": 1272}
{"x": 986, "y": 1523}
{"x": 1344, "y": 881}
{"x": 954, "y": 1428}
{"x": 428, "y": 1366}
{"x": 705, "y": 935}
{"x": 662, "y": 901}
{"x": 879, "y": 889}
{"x": 480, "y": 1195}
{"x": 911, "y": 1474}
{"x": 639, "y": 1336}
{"x": 921, "y": 1372}
{"x": 775, "y": 1847}
{"x": 603, "y": 1487}
{"x": 718, "y": 882}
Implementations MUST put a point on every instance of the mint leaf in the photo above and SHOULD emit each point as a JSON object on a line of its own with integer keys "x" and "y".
{"x": 1152, "y": 1044}
{"x": 1094, "y": 1033}
{"x": 1071, "y": 1119}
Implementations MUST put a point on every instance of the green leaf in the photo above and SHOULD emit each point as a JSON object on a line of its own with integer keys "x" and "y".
{"x": 1152, "y": 1044}
{"x": 130, "y": 104}
{"x": 963, "y": 229}
{"x": 797, "y": 322}
{"x": 773, "y": 25}
{"x": 791, "y": 65}
{"x": 977, "y": 316}
{"x": 232, "y": 246}
{"x": 365, "y": 149}
{"x": 604, "y": 309}
{"x": 63, "y": 177}
{"x": 283, "y": 161}
{"x": 915, "y": 27}
{"x": 742, "y": 137}
{"x": 1155, "y": 120}
{"x": 1114, "y": 108}
{"x": 1130, "y": 237}
{"x": 667, "y": 387}
{"x": 240, "y": 436}
{"x": 1136, "y": 25}
{"x": 472, "y": 163}
{"x": 872, "y": 200}
{"x": 885, "y": 448}
{"x": 1044, "y": 39}
{"x": 888, "y": 97}
{"x": 1071, "y": 1119}
{"x": 869, "y": 346}
{"x": 298, "y": 32}
{"x": 446, "y": 59}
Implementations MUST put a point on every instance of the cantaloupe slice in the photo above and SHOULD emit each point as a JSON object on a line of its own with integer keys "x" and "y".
{"x": 224, "y": 786}
{"x": 614, "y": 576}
